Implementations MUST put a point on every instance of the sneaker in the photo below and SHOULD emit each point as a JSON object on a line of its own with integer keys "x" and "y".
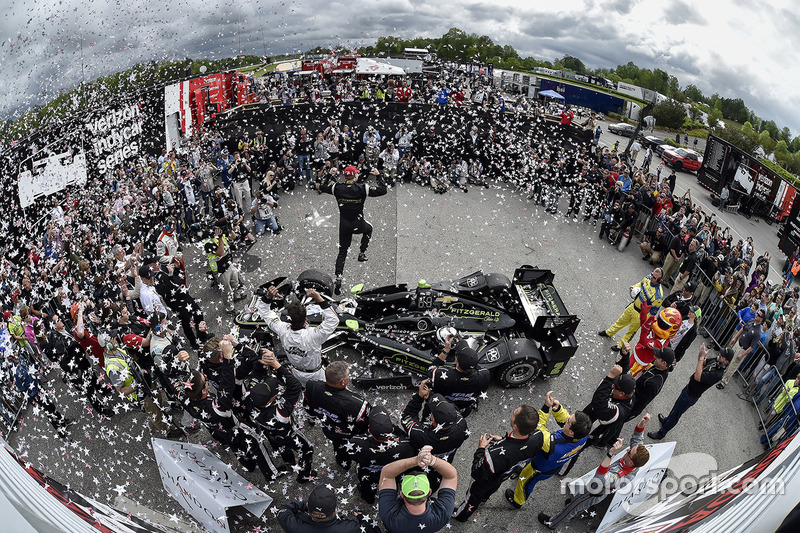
{"x": 362, "y": 257}
{"x": 645, "y": 258}
{"x": 720, "y": 386}
{"x": 615, "y": 348}
{"x": 544, "y": 520}
{"x": 574, "y": 219}
{"x": 603, "y": 333}
{"x": 510, "y": 499}
{"x": 337, "y": 286}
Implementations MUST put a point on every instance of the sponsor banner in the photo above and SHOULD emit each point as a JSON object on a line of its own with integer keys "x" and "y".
{"x": 630, "y": 90}
{"x": 204, "y": 485}
{"x": 50, "y": 174}
{"x": 635, "y": 491}
{"x": 751, "y": 498}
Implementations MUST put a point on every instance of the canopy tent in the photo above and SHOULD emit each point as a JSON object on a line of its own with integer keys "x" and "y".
{"x": 370, "y": 66}
{"x": 551, "y": 94}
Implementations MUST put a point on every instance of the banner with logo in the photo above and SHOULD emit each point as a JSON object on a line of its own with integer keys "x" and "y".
{"x": 631, "y": 492}
{"x": 204, "y": 485}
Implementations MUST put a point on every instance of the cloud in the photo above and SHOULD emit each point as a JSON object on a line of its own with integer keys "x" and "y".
{"x": 681, "y": 12}
{"x": 41, "y": 45}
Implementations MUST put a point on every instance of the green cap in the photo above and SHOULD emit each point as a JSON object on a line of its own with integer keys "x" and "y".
{"x": 413, "y": 484}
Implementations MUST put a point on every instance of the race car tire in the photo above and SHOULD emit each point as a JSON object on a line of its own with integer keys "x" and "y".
{"x": 518, "y": 373}
{"x": 317, "y": 280}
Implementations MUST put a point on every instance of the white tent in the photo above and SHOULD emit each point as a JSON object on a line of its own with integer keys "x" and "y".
{"x": 372, "y": 67}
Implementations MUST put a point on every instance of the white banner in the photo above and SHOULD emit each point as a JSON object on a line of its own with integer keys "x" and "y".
{"x": 635, "y": 491}
{"x": 50, "y": 175}
{"x": 204, "y": 485}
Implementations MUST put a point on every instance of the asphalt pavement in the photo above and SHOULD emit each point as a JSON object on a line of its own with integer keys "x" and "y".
{"x": 422, "y": 235}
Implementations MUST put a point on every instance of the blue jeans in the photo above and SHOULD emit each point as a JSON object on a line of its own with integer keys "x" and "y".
{"x": 682, "y": 404}
{"x": 262, "y": 225}
{"x": 303, "y": 165}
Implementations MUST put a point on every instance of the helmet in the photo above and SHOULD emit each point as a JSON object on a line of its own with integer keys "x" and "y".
{"x": 443, "y": 333}
{"x": 667, "y": 323}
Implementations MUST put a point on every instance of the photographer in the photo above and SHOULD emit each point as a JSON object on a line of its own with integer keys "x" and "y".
{"x": 263, "y": 214}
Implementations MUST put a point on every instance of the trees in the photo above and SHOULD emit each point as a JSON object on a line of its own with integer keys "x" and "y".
{"x": 571, "y": 63}
{"x": 669, "y": 114}
{"x": 737, "y": 138}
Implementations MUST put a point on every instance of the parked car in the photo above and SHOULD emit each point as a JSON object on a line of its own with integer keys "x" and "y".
{"x": 659, "y": 148}
{"x": 680, "y": 158}
{"x": 621, "y": 128}
{"x": 649, "y": 140}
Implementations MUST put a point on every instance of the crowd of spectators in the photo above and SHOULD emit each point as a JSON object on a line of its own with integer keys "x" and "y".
{"x": 99, "y": 298}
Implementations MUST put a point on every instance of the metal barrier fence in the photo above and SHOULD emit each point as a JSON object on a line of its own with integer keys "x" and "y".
{"x": 720, "y": 322}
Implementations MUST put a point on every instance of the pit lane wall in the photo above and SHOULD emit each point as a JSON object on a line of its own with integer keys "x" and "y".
{"x": 754, "y": 497}
{"x": 49, "y": 506}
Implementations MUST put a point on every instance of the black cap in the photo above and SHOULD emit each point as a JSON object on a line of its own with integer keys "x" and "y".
{"x": 380, "y": 425}
{"x": 727, "y": 353}
{"x": 666, "y": 354}
{"x": 690, "y": 287}
{"x": 625, "y": 383}
{"x": 467, "y": 357}
{"x": 149, "y": 259}
{"x": 443, "y": 412}
{"x": 263, "y": 392}
{"x": 145, "y": 272}
{"x": 322, "y": 502}
{"x": 220, "y": 224}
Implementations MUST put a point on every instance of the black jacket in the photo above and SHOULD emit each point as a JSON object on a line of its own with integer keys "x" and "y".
{"x": 462, "y": 389}
{"x": 293, "y": 518}
{"x": 445, "y": 440}
{"x": 648, "y": 385}
{"x": 343, "y": 413}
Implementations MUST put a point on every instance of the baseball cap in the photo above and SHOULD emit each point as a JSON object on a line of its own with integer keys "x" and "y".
{"x": 263, "y": 392}
{"x": 145, "y": 272}
{"x": 322, "y": 502}
{"x": 350, "y": 170}
{"x": 415, "y": 486}
{"x": 380, "y": 425}
{"x": 443, "y": 411}
{"x": 696, "y": 310}
{"x": 690, "y": 286}
{"x": 666, "y": 353}
{"x": 727, "y": 353}
{"x": 720, "y": 257}
{"x": 625, "y": 383}
{"x": 467, "y": 357}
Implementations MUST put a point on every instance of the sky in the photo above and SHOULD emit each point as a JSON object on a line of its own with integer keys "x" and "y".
{"x": 737, "y": 48}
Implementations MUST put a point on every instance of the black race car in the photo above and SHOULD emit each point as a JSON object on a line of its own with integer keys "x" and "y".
{"x": 521, "y": 328}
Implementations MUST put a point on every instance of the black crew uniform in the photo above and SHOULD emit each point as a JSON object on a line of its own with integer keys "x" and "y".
{"x": 444, "y": 439}
{"x": 372, "y": 454}
{"x": 343, "y": 414}
{"x": 648, "y": 385}
{"x": 461, "y": 388}
{"x": 492, "y": 465}
{"x": 293, "y": 518}
{"x": 608, "y": 412}
{"x": 175, "y": 296}
{"x": 351, "y": 196}
{"x": 276, "y": 423}
{"x": 216, "y": 414}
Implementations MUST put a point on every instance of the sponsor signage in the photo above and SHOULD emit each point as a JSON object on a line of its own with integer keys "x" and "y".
{"x": 204, "y": 485}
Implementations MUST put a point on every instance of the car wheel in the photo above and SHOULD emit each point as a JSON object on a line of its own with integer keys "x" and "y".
{"x": 518, "y": 373}
{"x": 678, "y": 166}
{"x": 317, "y": 280}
